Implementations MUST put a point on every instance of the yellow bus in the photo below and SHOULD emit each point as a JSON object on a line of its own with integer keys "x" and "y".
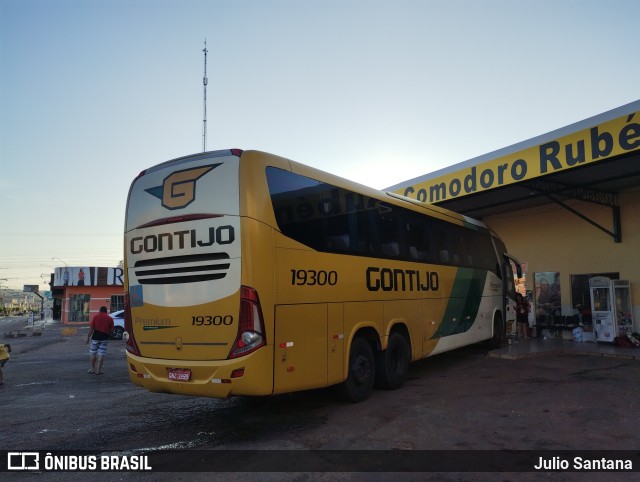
{"x": 250, "y": 274}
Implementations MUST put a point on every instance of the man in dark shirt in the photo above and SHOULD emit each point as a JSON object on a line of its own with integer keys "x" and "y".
{"x": 100, "y": 330}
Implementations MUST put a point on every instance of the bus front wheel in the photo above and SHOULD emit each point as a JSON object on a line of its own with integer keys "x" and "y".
{"x": 498, "y": 333}
{"x": 359, "y": 383}
{"x": 393, "y": 363}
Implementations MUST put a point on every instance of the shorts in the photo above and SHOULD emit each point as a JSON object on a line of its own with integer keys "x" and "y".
{"x": 99, "y": 347}
{"x": 2, "y": 362}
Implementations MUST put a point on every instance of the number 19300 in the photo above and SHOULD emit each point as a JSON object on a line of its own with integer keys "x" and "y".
{"x": 211, "y": 320}
{"x": 311, "y": 277}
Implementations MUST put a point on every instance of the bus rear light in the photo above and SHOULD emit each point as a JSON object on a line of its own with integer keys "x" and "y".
{"x": 250, "y": 335}
{"x": 237, "y": 373}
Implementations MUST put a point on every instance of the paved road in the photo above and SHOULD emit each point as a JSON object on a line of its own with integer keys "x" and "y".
{"x": 456, "y": 401}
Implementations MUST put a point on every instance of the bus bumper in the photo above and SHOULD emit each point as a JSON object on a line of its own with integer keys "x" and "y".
{"x": 249, "y": 375}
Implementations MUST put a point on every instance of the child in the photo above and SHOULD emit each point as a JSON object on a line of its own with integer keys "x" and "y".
{"x": 4, "y": 357}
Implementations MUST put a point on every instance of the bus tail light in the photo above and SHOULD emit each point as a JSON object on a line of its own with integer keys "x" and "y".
{"x": 250, "y": 335}
{"x": 130, "y": 340}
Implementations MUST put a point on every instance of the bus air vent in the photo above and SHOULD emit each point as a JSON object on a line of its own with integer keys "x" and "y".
{"x": 182, "y": 269}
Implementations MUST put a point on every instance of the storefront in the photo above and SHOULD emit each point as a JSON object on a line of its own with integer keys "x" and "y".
{"x": 566, "y": 203}
{"x": 79, "y": 292}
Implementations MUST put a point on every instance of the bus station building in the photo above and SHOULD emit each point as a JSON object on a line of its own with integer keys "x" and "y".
{"x": 566, "y": 204}
{"x": 80, "y": 291}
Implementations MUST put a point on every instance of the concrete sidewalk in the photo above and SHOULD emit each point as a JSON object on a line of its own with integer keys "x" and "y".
{"x": 536, "y": 346}
{"x": 18, "y": 328}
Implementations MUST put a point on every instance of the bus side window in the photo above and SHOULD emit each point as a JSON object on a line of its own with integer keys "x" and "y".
{"x": 418, "y": 237}
{"x": 390, "y": 231}
{"x": 500, "y": 249}
{"x": 339, "y": 241}
{"x": 342, "y": 220}
{"x": 296, "y": 200}
{"x": 390, "y": 250}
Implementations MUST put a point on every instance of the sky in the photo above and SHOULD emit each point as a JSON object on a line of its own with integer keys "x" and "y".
{"x": 381, "y": 91}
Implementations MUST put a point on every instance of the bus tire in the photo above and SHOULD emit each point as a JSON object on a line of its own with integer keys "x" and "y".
{"x": 498, "y": 333}
{"x": 392, "y": 364}
{"x": 362, "y": 370}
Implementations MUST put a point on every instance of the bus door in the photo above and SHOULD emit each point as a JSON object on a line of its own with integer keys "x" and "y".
{"x": 309, "y": 346}
{"x": 300, "y": 360}
{"x": 509, "y": 293}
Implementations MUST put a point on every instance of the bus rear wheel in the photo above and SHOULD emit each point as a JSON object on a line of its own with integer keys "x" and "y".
{"x": 393, "y": 363}
{"x": 359, "y": 383}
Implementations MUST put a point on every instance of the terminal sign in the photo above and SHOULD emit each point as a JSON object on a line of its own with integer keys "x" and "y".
{"x": 603, "y": 141}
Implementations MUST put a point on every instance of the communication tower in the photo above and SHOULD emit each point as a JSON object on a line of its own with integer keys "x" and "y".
{"x": 204, "y": 100}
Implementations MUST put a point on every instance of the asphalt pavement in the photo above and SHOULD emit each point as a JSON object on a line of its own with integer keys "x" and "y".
{"x": 462, "y": 400}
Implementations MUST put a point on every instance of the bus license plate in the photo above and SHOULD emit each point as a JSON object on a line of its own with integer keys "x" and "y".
{"x": 179, "y": 374}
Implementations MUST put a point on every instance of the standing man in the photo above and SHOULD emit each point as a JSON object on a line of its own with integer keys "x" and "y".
{"x": 100, "y": 330}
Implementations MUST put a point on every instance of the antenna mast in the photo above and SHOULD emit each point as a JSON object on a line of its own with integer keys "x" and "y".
{"x": 204, "y": 101}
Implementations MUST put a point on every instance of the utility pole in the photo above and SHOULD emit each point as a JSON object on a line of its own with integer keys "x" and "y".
{"x": 204, "y": 85}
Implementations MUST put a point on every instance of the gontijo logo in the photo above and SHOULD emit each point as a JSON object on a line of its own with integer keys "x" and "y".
{"x": 178, "y": 189}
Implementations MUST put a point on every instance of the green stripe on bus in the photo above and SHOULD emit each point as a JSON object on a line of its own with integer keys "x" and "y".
{"x": 464, "y": 302}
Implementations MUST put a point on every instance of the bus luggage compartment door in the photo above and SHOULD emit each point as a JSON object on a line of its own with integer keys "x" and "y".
{"x": 300, "y": 351}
